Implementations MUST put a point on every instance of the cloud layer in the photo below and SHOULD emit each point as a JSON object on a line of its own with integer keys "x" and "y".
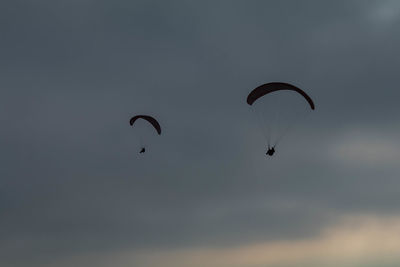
{"x": 72, "y": 186}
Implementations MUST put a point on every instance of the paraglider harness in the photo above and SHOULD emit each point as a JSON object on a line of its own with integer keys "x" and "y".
{"x": 271, "y": 151}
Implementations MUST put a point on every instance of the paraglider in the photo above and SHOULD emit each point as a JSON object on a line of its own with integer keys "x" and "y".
{"x": 151, "y": 120}
{"x": 273, "y": 108}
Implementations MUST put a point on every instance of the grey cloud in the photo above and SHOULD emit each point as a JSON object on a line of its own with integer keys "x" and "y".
{"x": 73, "y": 73}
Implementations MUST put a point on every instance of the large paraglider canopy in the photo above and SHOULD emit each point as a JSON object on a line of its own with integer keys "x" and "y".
{"x": 150, "y": 119}
{"x": 276, "y": 86}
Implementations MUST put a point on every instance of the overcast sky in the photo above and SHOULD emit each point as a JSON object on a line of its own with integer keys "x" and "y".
{"x": 75, "y": 192}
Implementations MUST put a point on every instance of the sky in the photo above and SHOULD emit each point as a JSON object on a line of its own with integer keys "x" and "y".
{"x": 75, "y": 192}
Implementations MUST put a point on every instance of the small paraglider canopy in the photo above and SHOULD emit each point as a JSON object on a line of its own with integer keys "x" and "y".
{"x": 276, "y": 86}
{"x": 150, "y": 119}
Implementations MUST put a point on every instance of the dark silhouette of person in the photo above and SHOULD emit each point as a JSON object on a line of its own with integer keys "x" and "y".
{"x": 142, "y": 150}
{"x": 270, "y": 151}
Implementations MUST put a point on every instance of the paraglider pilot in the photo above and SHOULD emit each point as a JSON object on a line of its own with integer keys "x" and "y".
{"x": 270, "y": 151}
{"x": 142, "y": 150}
